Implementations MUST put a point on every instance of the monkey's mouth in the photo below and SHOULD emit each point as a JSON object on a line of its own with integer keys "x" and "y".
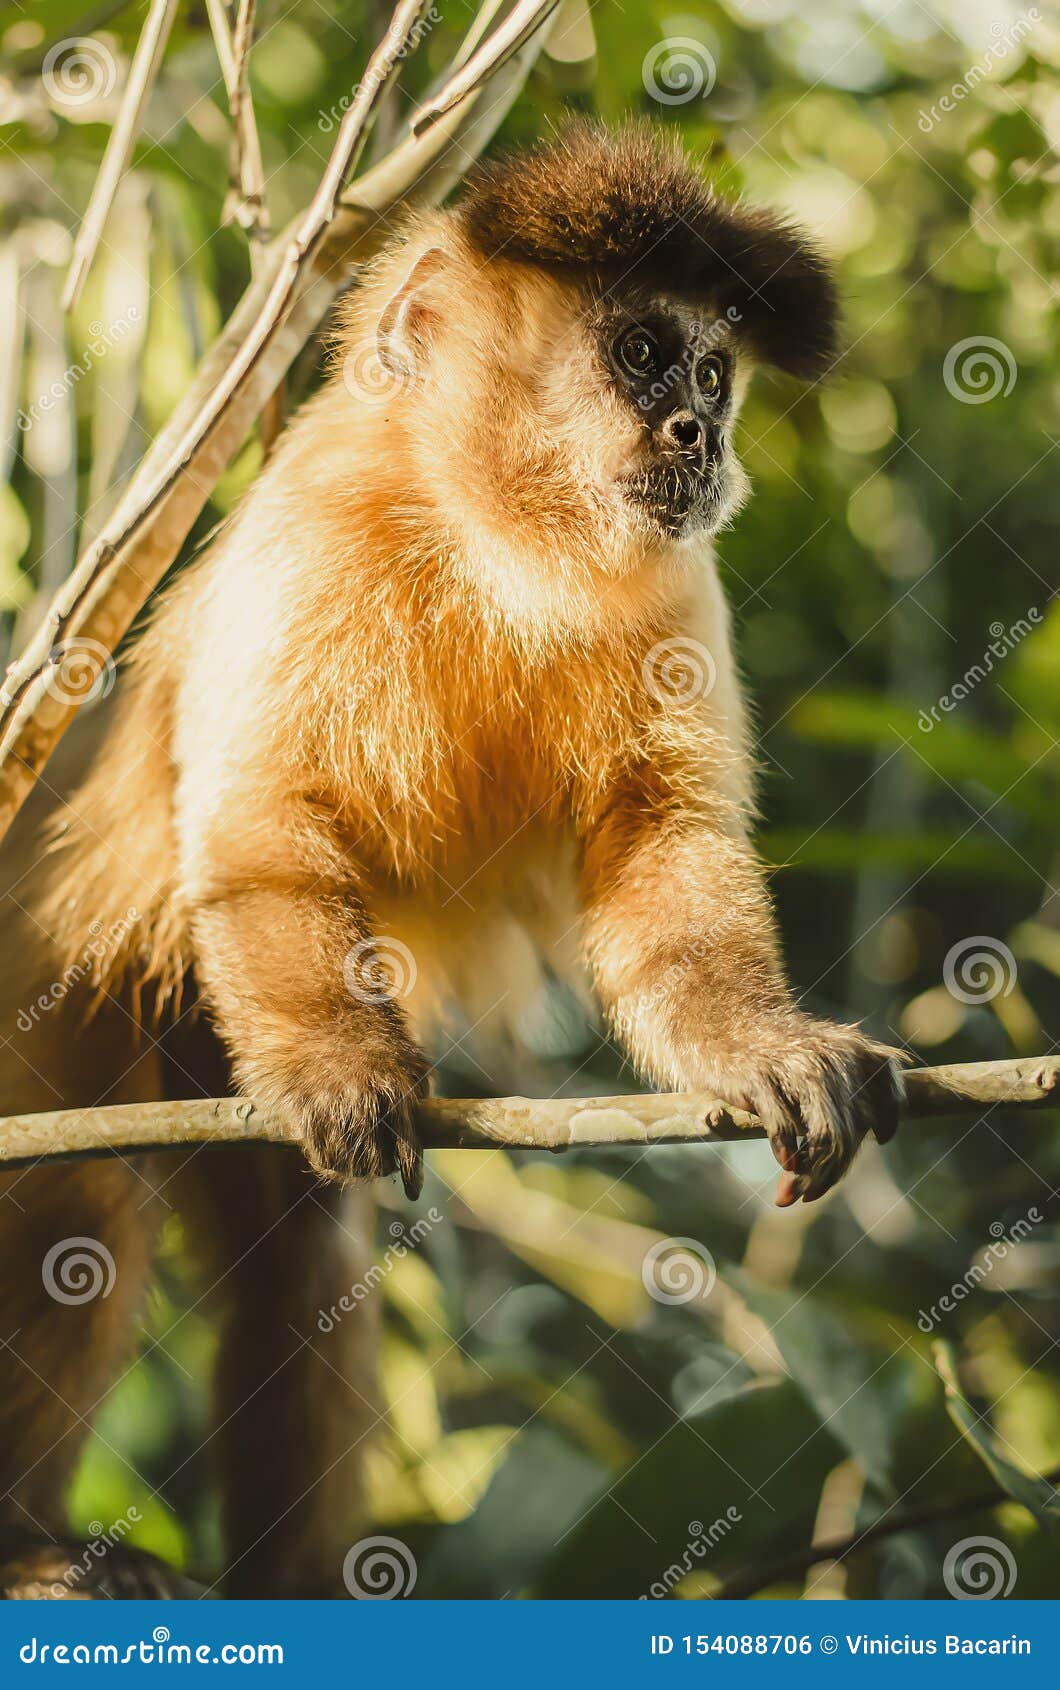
{"x": 675, "y": 497}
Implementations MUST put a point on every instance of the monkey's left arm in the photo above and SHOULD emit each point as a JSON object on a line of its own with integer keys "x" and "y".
{"x": 682, "y": 942}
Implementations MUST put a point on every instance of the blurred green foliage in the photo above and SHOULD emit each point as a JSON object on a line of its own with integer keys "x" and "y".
{"x": 553, "y": 1430}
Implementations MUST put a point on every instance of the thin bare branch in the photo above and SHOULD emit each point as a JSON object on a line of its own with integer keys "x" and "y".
{"x": 512, "y": 1123}
{"x": 275, "y": 317}
{"x": 220, "y": 22}
{"x": 522, "y": 22}
{"x": 480, "y": 27}
{"x": 387, "y": 125}
{"x": 787, "y": 1568}
{"x": 142, "y": 74}
{"x": 246, "y": 203}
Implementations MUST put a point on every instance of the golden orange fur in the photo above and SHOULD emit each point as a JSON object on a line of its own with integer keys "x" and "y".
{"x": 420, "y": 694}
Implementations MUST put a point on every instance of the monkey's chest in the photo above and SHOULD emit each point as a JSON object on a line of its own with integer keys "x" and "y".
{"x": 487, "y": 960}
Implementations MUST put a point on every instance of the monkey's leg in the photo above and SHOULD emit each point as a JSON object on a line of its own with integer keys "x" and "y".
{"x": 76, "y": 1244}
{"x": 294, "y": 1385}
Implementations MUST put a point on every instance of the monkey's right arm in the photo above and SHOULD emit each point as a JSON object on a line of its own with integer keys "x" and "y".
{"x": 285, "y": 955}
{"x": 681, "y": 938}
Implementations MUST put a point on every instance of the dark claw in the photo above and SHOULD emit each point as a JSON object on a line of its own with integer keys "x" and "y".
{"x": 369, "y": 1135}
{"x": 846, "y": 1093}
{"x": 410, "y": 1164}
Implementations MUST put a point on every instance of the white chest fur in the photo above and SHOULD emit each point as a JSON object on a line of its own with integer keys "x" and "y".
{"x": 488, "y": 968}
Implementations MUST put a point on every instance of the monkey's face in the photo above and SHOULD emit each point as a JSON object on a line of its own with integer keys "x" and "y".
{"x": 631, "y": 400}
{"x": 566, "y": 437}
{"x": 674, "y": 371}
{"x": 601, "y": 427}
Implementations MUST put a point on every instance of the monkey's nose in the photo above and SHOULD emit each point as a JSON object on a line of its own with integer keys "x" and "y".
{"x": 683, "y": 433}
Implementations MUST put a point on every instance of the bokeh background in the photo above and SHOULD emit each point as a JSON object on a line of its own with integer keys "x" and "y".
{"x": 564, "y": 1419}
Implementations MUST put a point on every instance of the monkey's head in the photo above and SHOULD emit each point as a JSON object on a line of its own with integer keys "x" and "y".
{"x": 568, "y": 348}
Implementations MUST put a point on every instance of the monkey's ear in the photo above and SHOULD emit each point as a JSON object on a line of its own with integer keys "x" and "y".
{"x": 404, "y": 331}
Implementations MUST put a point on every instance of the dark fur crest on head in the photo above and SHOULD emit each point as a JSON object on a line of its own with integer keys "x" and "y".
{"x": 630, "y": 210}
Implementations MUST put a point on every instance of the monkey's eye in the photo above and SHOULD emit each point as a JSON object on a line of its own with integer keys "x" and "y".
{"x": 637, "y": 352}
{"x": 710, "y": 374}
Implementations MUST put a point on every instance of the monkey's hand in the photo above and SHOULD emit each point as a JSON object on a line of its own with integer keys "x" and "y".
{"x": 818, "y": 1087}
{"x": 368, "y": 1128}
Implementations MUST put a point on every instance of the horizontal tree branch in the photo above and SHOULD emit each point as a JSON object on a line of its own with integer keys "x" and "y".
{"x": 514, "y": 1123}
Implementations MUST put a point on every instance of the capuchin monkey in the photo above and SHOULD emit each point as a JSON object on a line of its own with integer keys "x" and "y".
{"x": 447, "y": 710}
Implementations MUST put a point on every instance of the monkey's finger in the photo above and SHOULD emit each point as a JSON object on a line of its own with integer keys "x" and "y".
{"x": 883, "y": 1092}
{"x": 829, "y": 1133}
{"x": 780, "y": 1121}
{"x": 822, "y": 1178}
{"x": 799, "y": 1182}
{"x": 795, "y": 1179}
{"x": 888, "y": 1090}
{"x": 826, "y": 1173}
{"x": 412, "y": 1174}
{"x": 787, "y": 1191}
{"x": 410, "y": 1161}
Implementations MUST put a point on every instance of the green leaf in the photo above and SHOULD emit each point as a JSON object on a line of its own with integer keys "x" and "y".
{"x": 546, "y": 1485}
{"x": 850, "y": 1384}
{"x": 843, "y": 850}
{"x": 736, "y": 1485}
{"x": 957, "y": 751}
{"x": 1036, "y": 1494}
